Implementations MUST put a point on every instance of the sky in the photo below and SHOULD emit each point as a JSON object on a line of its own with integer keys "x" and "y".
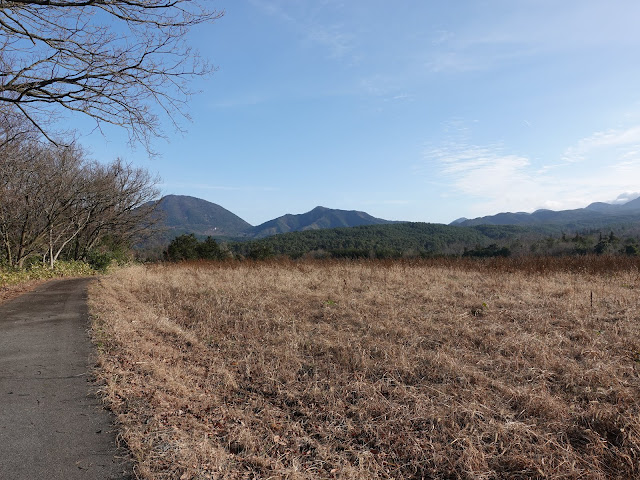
{"x": 415, "y": 110}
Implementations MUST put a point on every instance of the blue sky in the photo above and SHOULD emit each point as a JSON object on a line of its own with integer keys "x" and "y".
{"x": 412, "y": 110}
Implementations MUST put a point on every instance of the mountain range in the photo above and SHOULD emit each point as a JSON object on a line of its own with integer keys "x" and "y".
{"x": 595, "y": 215}
{"x": 181, "y": 214}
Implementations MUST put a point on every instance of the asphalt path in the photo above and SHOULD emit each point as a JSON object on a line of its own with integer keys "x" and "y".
{"x": 52, "y": 425}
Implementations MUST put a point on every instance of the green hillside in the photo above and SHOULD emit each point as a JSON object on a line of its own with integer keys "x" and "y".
{"x": 194, "y": 215}
{"x": 318, "y": 218}
{"x": 386, "y": 240}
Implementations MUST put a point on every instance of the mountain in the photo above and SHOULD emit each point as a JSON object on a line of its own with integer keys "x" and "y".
{"x": 180, "y": 214}
{"x": 595, "y": 215}
{"x": 318, "y": 218}
{"x": 183, "y": 214}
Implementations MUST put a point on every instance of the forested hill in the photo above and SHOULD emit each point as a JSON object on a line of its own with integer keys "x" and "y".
{"x": 318, "y": 218}
{"x": 184, "y": 214}
{"x": 599, "y": 228}
{"x": 386, "y": 240}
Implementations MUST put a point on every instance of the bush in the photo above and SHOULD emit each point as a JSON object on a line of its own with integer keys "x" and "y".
{"x": 42, "y": 271}
{"x": 184, "y": 247}
{"x": 260, "y": 252}
{"x": 188, "y": 247}
{"x": 107, "y": 253}
{"x": 210, "y": 250}
{"x": 631, "y": 250}
{"x": 490, "y": 251}
{"x": 601, "y": 247}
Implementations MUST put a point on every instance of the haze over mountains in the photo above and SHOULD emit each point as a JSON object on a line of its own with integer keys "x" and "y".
{"x": 184, "y": 214}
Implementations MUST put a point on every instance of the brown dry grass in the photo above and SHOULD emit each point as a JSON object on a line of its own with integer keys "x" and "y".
{"x": 374, "y": 370}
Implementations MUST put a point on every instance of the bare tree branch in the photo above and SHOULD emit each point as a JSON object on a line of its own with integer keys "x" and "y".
{"x": 55, "y": 203}
{"x": 112, "y": 60}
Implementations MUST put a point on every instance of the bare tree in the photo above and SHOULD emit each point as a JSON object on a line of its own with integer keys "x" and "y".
{"x": 22, "y": 200}
{"x": 64, "y": 212}
{"x": 113, "y": 60}
{"x": 120, "y": 203}
{"x": 55, "y": 203}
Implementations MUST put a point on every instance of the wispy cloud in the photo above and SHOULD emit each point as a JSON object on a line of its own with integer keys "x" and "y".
{"x": 497, "y": 180}
{"x": 626, "y": 197}
{"x": 628, "y": 138}
{"x": 486, "y": 173}
{"x": 441, "y": 37}
{"x": 337, "y": 41}
{"x": 488, "y": 41}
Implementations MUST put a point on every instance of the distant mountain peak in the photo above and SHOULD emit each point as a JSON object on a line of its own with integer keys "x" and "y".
{"x": 195, "y": 215}
{"x": 592, "y": 216}
{"x": 318, "y": 218}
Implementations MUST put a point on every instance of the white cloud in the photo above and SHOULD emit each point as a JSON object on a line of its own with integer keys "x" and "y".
{"x": 494, "y": 180}
{"x": 609, "y": 139}
{"x": 441, "y": 37}
{"x": 626, "y": 197}
{"x": 542, "y": 28}
{"x": 448, "y": 62}
{"x": 337, "y": 42}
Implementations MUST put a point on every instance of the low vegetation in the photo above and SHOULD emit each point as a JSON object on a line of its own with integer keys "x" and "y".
{"x": 492, "y": 368}
{"x": 40, "y": 271}
{"x": 14, "y": 281}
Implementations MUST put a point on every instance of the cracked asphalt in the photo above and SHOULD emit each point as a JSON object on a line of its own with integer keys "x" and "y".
{"x": 52, "y": 425}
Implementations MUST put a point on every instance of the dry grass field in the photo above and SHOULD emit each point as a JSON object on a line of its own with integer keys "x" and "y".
{"x": 406, "y": 370}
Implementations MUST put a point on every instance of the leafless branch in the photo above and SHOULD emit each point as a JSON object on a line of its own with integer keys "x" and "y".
{"x": 112, "y": 60}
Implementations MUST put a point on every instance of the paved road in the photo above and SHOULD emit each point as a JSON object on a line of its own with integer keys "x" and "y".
{"x": 51, "y": 425}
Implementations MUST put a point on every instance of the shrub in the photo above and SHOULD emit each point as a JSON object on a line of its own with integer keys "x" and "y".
{"x": 184, "y": 247}
{"x": 42, "y": 271}
{"x": 490, "y": 251}
{"x": 631, "y": 250}
{"x": 209, "y": 250}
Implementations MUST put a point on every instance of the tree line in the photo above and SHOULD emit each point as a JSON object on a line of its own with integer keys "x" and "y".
{"x": 118, "y": 62}
{"x": 56, "y": 203}
{"x": 407, "y": 240}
